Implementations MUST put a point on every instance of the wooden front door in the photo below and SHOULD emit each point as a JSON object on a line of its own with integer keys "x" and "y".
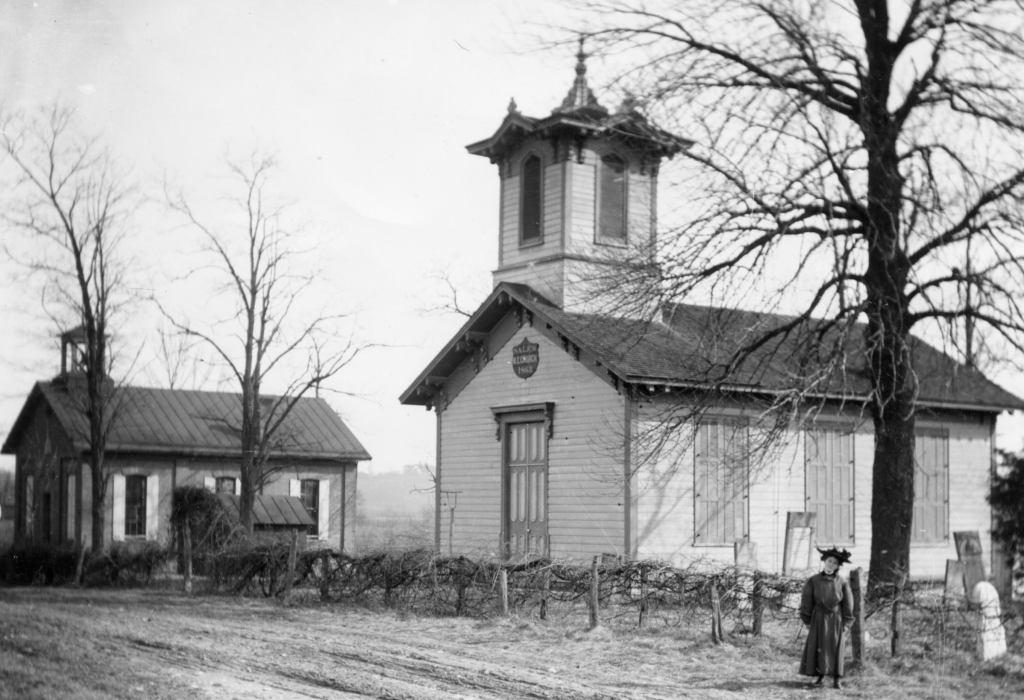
{"x": 526, "y": 490}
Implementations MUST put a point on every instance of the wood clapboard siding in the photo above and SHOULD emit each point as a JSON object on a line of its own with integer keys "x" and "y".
{"x": 509, "y": 219}
{"x": 666, "y": 503}
{"x": 552, "y": 230}
{"x": 582, "y": 203}
{"x": 551, "y": 203}
{"x": 585, "y": 508}
{"x": 546, "y": 279}
{"x": 970, "y": 463}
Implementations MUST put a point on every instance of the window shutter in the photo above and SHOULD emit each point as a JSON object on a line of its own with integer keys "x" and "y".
{"x": 238, "y": 487}
{"x": 152, "y": 506}
{"x": 210, "y": 483}
{"x": 72, "y": 495}
{"x": 295, "y": 488}
{"x": 323, "y": 508}
{"x": 117, "y": 521}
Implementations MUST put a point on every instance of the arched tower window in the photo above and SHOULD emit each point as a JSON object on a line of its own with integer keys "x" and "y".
{"x": 530, "y": 210}
{"x": 611, "y": 198}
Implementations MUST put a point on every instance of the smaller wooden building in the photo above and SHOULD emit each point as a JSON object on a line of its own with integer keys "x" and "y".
{"x": 160, "y": 439}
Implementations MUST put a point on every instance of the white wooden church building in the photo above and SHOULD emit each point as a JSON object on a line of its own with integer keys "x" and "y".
{"x": 541, "y": 400}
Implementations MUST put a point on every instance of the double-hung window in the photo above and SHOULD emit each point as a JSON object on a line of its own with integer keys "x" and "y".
{"x": 136, "y": 506}
{"x": 315, "y": 495}
{"x": 311, "y": 500}
{"x": 721, "y": 481}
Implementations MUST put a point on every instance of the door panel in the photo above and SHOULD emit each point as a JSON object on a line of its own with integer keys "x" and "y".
{"x": 526, "y": 490}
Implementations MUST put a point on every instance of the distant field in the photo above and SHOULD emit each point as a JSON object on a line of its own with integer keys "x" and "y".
{"x": 64, "y": 643}
{"x": 391, "y": 494}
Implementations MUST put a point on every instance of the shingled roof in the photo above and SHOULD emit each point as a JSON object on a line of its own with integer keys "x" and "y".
{"x": 173, "y": 421}
{"x": 690, "y": 345}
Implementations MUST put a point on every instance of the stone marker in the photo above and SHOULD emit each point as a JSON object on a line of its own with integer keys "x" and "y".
{"x": 968, "y": 550}
{"x": 798, "y": 550}
{"x": 954, "y": 579}
{"x": 991, "y": 636}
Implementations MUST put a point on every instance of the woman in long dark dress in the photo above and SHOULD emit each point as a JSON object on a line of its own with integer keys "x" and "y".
{"x": 826, "y": 607}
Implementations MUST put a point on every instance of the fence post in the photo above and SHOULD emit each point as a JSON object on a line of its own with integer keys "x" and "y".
{"x": 897, "y": 617}
{"x": 80, "y": 567}
{"x": 291, "y": 565}
{"x": 594, "y": 594}
{"x": 325, "y": 575}
{"x": 186, "y": 536}
{"x": 859, "y": 586}
{"x": 758, "y": 604}
{"x": 503, "y": 590}
{"x": 643, "y": 596}
{"x": 717, "y": 636}
{"x": 545, "y": 587}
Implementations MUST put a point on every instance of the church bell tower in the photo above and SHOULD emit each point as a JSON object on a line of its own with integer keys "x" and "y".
{"x": 578, "y": 194}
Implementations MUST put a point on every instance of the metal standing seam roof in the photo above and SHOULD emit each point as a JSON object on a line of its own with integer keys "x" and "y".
{"x": 173, "y": 421}
{"x": 691, "y": 344}
{"x": 269, "y": 510}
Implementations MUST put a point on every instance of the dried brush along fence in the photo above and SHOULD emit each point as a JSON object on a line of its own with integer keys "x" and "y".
{"x": 421, "y": 581}
{"x": 634, "y": 593}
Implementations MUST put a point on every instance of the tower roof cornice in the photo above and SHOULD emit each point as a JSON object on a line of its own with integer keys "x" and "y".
{"x": 580, "y": 116}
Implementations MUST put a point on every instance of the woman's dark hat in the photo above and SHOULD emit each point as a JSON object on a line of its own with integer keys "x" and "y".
{"x": 842, "y": 556}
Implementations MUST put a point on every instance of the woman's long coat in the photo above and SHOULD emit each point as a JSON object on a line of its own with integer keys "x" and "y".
{"x": 826, "y": 607}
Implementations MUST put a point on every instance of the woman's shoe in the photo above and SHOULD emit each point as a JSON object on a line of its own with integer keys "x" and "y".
{"x": 818, "y": 683}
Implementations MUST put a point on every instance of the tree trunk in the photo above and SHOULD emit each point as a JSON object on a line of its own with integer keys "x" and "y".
{"x": 98, "y": 510}
{"x": 885, "y": 281}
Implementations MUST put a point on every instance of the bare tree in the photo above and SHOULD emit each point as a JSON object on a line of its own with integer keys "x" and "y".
{"x": 270, "y": 335}
{"x": 180, "y": 361}
{"x": 71, "y": 203}
{"x": 859, "y": 161}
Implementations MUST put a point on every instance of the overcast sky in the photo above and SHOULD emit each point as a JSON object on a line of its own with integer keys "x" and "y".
{"x": 369, "y": 105}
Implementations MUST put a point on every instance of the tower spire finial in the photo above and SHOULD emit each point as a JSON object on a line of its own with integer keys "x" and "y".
{"x": 580, "y": 95}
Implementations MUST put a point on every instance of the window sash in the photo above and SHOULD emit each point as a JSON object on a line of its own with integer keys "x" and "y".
{"x": 829, "y": 484}
{"x": 721, "y": 483}
{"x": 310, "y": 495}
{"x": 135, "y": 506}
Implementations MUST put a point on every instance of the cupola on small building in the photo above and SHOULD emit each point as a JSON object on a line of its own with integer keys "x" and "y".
{"x": 544, "y": 399}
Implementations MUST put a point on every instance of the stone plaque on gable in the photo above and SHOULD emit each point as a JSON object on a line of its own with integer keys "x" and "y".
{"x": 525, "y": 358}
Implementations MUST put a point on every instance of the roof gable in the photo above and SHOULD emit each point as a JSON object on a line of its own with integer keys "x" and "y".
{"x": 691, "y": 345}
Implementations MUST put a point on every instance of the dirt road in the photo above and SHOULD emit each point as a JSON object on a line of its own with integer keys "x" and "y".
{"x": 67, "y": 643}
